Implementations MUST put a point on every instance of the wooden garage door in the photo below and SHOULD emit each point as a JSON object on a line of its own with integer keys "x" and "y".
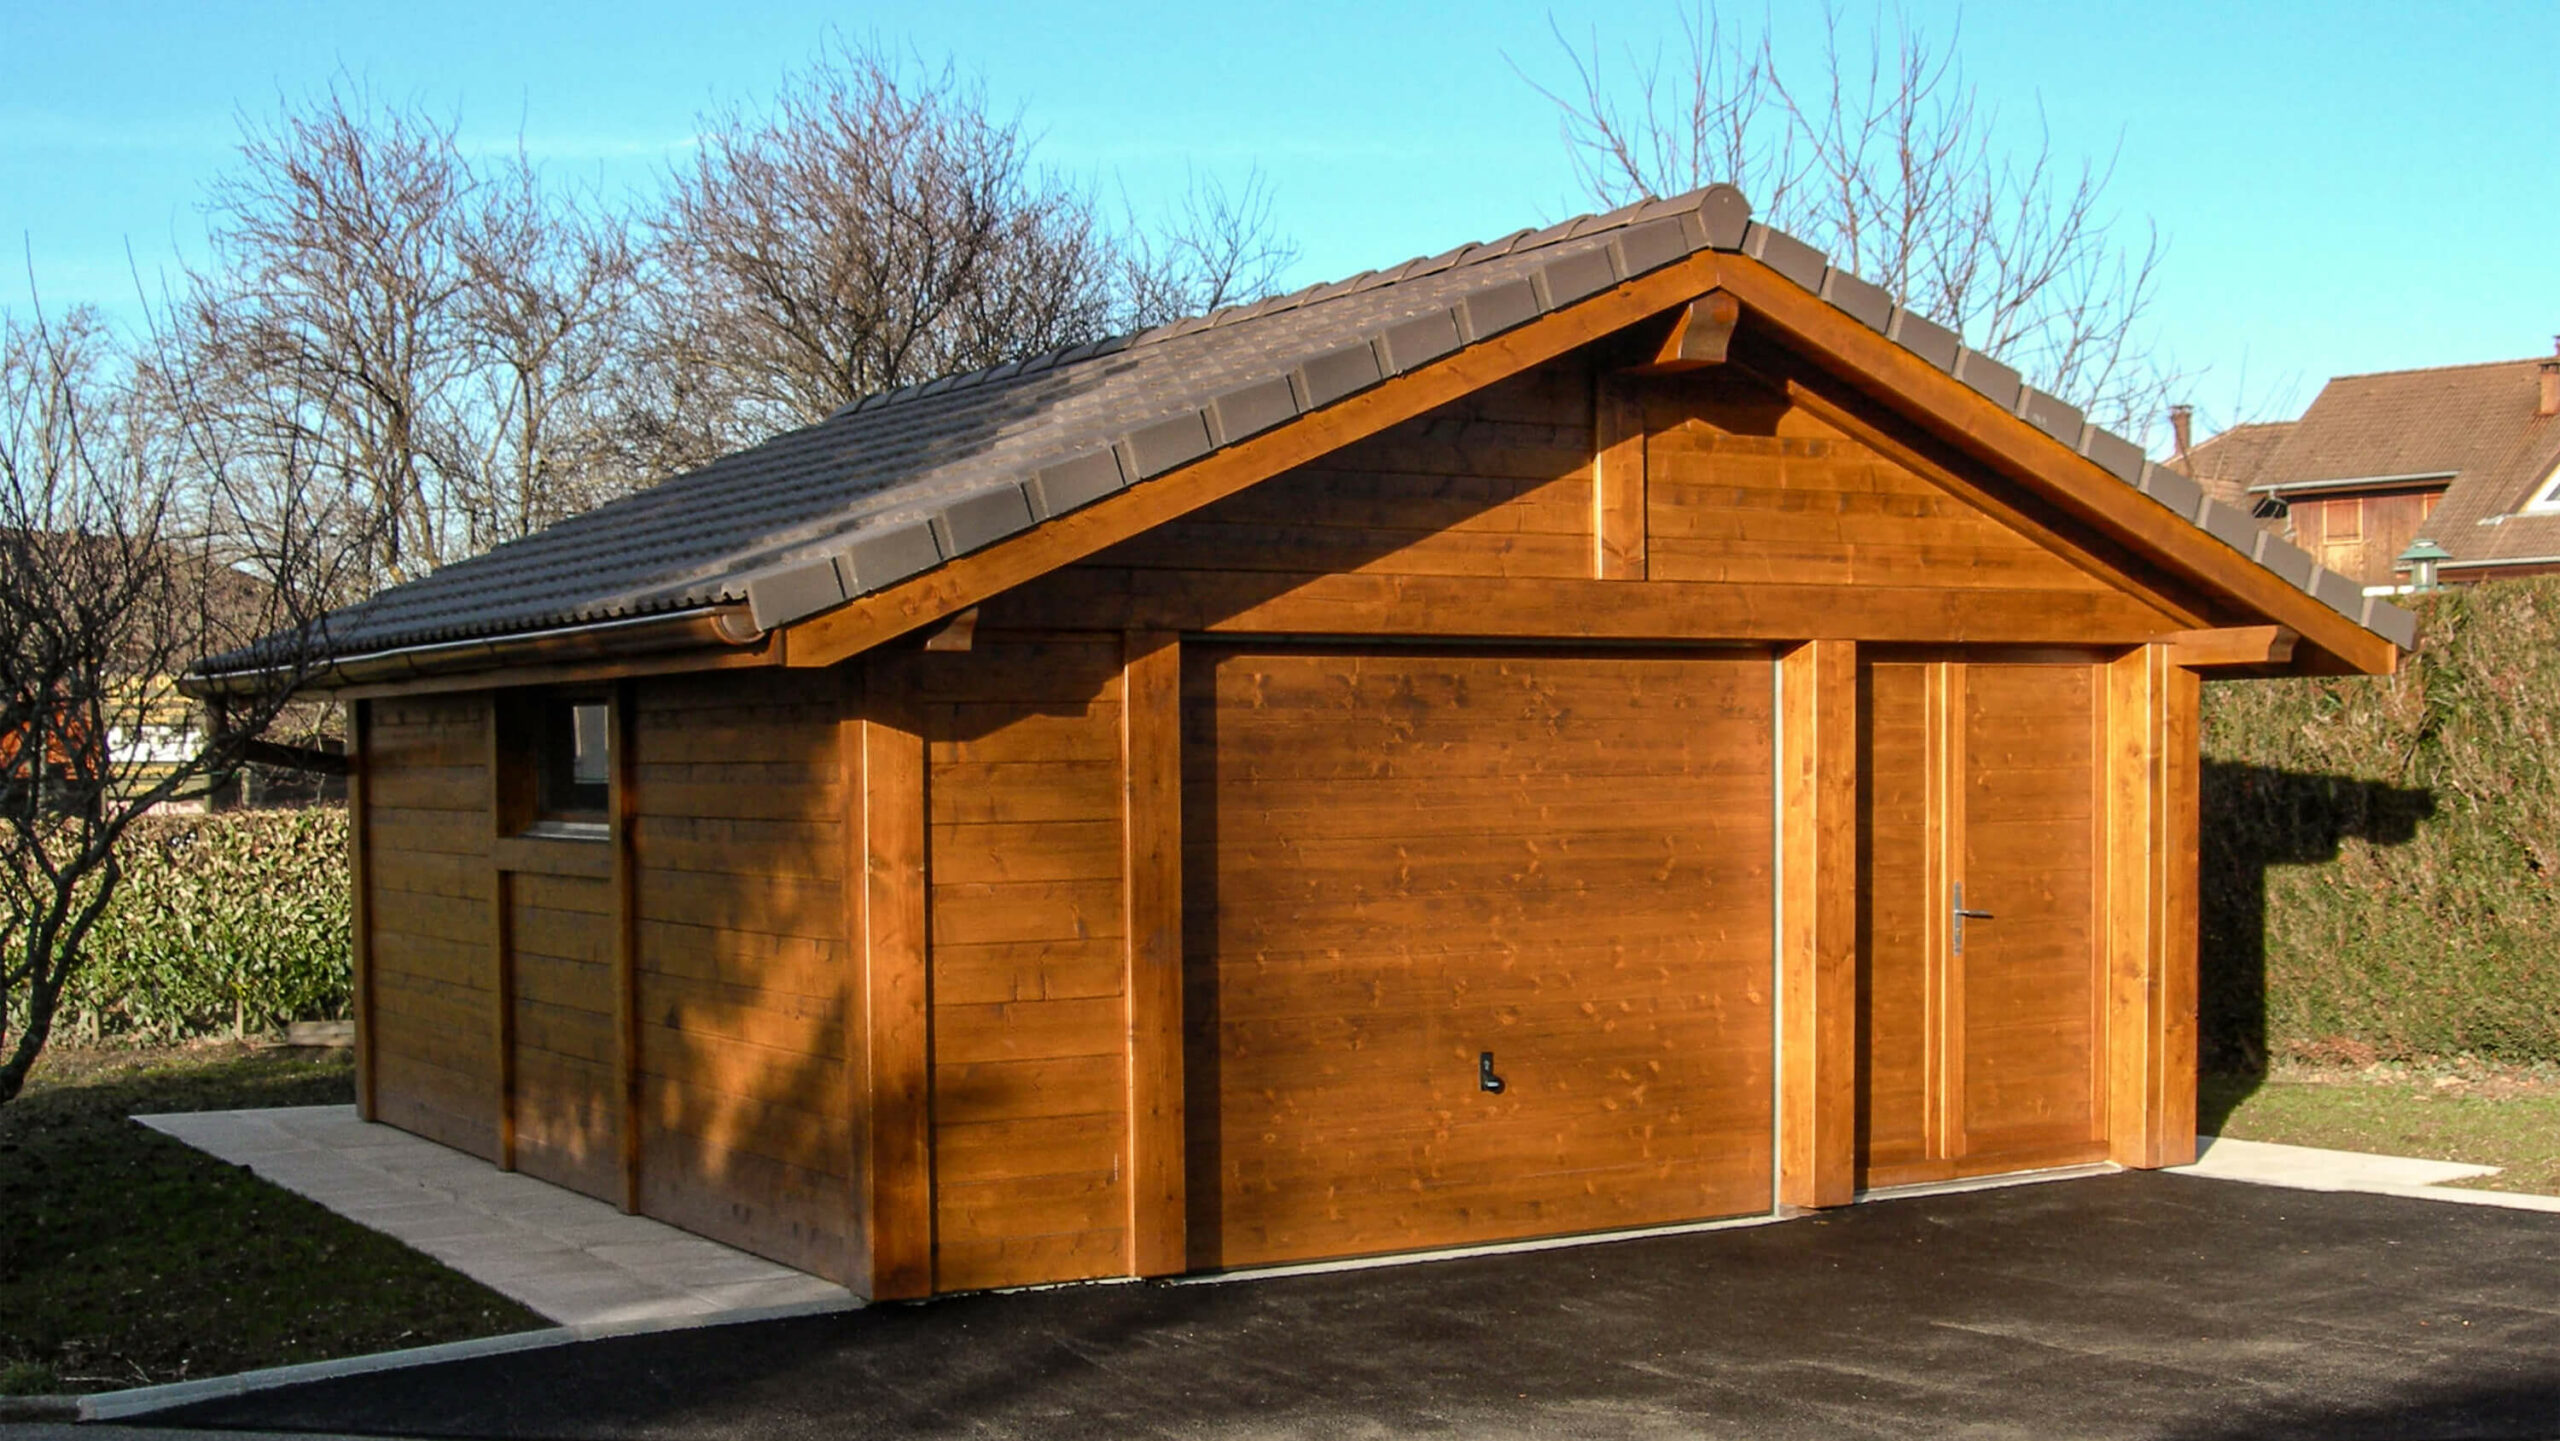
{"x": 1398, "y": 862}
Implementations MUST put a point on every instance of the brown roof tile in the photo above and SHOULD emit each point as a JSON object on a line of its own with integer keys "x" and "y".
{"x": 897, "y": 483}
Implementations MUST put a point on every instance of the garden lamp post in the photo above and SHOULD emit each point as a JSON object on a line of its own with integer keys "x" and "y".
{"x": 2421, "y": 558}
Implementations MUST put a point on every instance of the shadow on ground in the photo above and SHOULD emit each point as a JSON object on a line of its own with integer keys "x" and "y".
{"x": 2133, "y": 1305}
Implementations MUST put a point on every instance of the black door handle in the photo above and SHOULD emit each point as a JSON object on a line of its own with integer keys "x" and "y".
{"x": 1486, "y": 1080}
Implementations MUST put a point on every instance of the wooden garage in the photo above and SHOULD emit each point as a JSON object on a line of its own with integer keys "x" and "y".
{"x": 1617, "y": 727}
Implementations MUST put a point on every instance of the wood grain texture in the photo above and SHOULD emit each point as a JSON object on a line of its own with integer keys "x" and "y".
{"x": 2137, "y": 868}
{"x": 2173, "y": 1123}
{"x": 1818, "y": 941}
{"x": 1151, "y": 692}
{"x": 742, "y": 959}
{"x": 566, "y": 1113}
{"x": 1038, "y": 877}
{"x": 1897, "y": 890}
{"x": 622, "y": 810}
{"x": 359, "y": 913}
{"x": 1395, "y": 861}
{"x": 1619, "y": 506}
{"x": 897, "y": 999}
{"x": 1997, "y": 1055}
{"x": 1658, "y": 610}
{"x": 2030, "y": 1033}
{"x": 2015, "y": 451}
{"x": 861, "y": 624}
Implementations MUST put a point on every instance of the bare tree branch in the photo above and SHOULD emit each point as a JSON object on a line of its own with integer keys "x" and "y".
{"x": 1883, "y": 154}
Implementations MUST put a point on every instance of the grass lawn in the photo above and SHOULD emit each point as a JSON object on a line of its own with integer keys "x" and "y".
{"x": 2487, "y": 1118}
{"x": 127, "y": 1258}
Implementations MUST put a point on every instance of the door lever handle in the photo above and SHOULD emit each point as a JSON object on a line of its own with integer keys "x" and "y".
{"x": 1956, "y": 930}
{"x": 1486, "y": 1080}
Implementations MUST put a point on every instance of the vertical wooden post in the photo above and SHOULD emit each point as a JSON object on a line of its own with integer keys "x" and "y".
{"x": 508, "y": 774}
{"x": 1940, "y": 1126}
{"x": 622, "y": 808}
{"x": 2184, "y": 765}
{"x": 851, "y": 771}
{"x": 1618, "y": 483}
{"x": 895, "y": 982}
{"x": 359, "y": 906}
{"x": 1151, "y": 766}
{"x": 2151, "y": 792}
{"x": 1817, "y": 943}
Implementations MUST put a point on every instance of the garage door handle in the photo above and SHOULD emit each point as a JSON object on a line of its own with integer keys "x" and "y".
{"x": 1486, "y": 1080}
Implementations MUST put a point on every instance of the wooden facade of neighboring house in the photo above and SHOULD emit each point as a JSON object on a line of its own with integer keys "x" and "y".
{"x": 1625, "y": 729}
{"x": 2464, "y": 456}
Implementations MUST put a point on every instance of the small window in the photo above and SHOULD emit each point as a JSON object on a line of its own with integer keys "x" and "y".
{"x": 577, "y": 761}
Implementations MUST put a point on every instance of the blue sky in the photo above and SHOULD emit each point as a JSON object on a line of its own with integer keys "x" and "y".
{"x": 2343, "y": 188}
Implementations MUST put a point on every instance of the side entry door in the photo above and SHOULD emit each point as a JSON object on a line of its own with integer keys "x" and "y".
{"x": 1981, "y": 820}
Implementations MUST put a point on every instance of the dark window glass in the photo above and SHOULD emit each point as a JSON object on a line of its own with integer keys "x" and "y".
{"x": 577, "y": 759}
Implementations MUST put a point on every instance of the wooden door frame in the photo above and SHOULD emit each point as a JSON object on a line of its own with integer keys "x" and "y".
{"x": 2143, "y": 912}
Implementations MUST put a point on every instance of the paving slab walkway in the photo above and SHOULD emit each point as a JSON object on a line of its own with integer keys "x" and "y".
{"x": 569, "y": 1257}
{"x": 2309, "y": 1168}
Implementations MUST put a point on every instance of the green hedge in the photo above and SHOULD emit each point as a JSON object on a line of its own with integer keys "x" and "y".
{"x": 225, "y": 924}
{"x": 2382, "y": 857}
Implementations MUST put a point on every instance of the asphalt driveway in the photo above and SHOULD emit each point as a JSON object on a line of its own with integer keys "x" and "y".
{"x": 2129, "y": 1305}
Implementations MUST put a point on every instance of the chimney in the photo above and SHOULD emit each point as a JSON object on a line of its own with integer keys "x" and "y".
{"x": 2182, "y": 419}
{"x": 2549, "y": 404}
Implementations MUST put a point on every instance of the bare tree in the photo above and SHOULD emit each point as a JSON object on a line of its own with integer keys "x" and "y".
{"x": 1887, "y": 157}
{"x": 431, "y": 346}
{"x": 112, "y": 584}
{"x": 1215, "y": 249}
{"x": 548, "y": 319}
{"x": 873, "y": 227}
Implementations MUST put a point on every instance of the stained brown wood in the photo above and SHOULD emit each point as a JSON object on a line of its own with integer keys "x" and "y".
{"x": 2137, "y": 876}
{"x": 900, "y": 1166}
{"x": 861, "y": 624}
{"x": 2019, "y": 452}
{"x": 2173, "y": 1127}
{"x": 2030, "y": 1032}
{"x": 1900, "y": 966}
{"x": 623, "y": 809}
{"x": 1818, "y": 942}
{"x": 1698, "y": 338}
{"x": 2246, "y": 645}
{"x": 359, "y": 917}
{"x": 1659, "y": 610}
{"x": 1151, "y": 694}
{"x": 1995, "y": 1054}
{"x": 1397, "y": 860}
{"x": 1618, "y": 496}
{"x": 1039, "y": 861}
{"x": 554, "y": 855}
{"x": 851, "y": 982}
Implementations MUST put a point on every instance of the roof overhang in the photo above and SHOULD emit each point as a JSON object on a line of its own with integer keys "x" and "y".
{"x": 2203, "y": 562}
{"x": 2415, "y": 480}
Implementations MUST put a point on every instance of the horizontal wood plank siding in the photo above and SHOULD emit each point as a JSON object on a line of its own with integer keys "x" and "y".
{"x": 1029, "y": 1023}
{"x": 1743, "y": 487}
{"x": 568, "y": 1123}
{"x": 427, "y": 904}
{"x": 738, "y": 854}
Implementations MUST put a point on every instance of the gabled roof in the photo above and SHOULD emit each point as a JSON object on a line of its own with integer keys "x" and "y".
{"x": 2232, "y": 461}
{"x": 2474, "y": 428}
{"x": 909, "y": 480}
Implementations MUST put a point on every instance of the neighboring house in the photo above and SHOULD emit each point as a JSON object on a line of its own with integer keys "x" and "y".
{"x": 2462, "y": 455}
{"x": 1612, "y": 727}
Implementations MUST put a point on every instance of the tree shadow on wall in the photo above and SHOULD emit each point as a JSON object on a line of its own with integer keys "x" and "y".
{"x": 2254, "y": 818}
